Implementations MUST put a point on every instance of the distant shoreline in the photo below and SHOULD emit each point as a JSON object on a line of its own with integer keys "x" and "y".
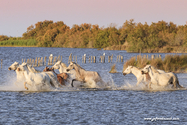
{"x": 96, "y": 48}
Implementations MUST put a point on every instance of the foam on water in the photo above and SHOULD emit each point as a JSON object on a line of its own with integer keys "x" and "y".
{"x": 142, "y": 87}
{"x": 12, "y": 85}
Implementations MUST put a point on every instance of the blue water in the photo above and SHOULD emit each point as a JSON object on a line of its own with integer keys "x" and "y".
{"x": 86, "y": 106}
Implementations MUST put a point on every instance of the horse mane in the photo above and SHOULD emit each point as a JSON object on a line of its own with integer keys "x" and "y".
{"x": 78, "y": 66}
{"x": 136, "y": 68}
{"x": 154, "y": 69}
{"x": 63, "y": 64}
{"x": 79, "y": 69}
{"x": 30, "y": 69}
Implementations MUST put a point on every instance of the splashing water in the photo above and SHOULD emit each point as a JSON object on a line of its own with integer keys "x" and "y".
{"x": 11, "y": 84}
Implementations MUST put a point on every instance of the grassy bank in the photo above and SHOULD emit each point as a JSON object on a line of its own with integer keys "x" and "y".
{"x": 19, "y": 42}
{"x": 171, "y": 63}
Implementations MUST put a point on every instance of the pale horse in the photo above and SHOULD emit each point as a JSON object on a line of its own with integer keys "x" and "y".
{"x": 38, "y": 81}
{"x": 20, "y": 76}
{"x": 141, "y": 78}
{"x": 161, "y": 79}
{"x": 89, "y": 77}
{"x": 62, "y": 69}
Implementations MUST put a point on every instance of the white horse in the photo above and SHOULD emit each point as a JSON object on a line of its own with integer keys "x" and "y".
{"x": 161, "y": 79}
{"x": 20, "y": 76}
{"x": 89, "y": 77}
{"x": 62, "y": 69}
{"x": 141, "y": 78}
{"x": 38, "y": 81}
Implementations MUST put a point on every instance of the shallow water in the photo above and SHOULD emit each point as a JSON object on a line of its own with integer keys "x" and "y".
{"x": 122, "y": 104}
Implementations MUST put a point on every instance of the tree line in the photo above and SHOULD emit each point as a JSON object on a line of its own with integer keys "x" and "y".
{"x": 133, "y": 37}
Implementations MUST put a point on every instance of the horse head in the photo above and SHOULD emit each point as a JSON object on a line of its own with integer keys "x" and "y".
{"x": 127, "y": 70}
{"x": 14, "y": 66}
{"x": 56, "y": 65}
{"x": 70, "y": 67}
{"x": 22, "y": 67}
{"x": 146, "y": 69}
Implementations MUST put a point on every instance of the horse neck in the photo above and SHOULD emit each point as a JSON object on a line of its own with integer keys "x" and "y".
{"x": 64, "y": 66}
{"x": 151, "y": 73}
{"x": 135, "y": 71}
{"x": 30, "y": 69}
{"x": 61, "y": 69}
{"x": 26, "y": 72}
{"x": 80, "y": 71}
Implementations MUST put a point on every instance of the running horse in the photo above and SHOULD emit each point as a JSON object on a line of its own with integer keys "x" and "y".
{"x": 62, "y": 69}
{"x": 62, "y": 77}
{"x": 161, "y": 79}
{"x": 141, "y": 78}
{"x": 44, "y": 80}
{"x": 89, "y": 77}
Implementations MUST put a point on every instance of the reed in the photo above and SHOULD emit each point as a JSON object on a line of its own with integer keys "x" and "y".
{"x": 113, "y": 69}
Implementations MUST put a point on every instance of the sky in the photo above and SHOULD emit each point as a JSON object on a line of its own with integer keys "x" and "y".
{"x": 17, "y": 15}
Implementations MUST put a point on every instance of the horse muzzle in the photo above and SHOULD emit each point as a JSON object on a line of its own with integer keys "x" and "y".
{"x": 124, "y": 74}
{"x": 9, "y": 68}
{"x": 143, "y": 72}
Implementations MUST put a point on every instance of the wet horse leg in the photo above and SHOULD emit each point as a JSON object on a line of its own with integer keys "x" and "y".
{"x": 25, "y": 86}
{"x": 72, "y": 82}
{"x": 149, "y": 85}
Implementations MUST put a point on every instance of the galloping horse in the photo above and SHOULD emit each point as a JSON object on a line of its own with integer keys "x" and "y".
{"x": 60, "y": 77}
{"x": 161, "y": 79}
{"x": 37, "y": 79}
{"x": 90, "y": 77}
{"x": 144, "y": 78}
{"x": 62, "y": 69}
{"x": 20, "y": 76}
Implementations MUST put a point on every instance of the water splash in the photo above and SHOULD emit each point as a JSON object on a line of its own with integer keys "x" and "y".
{"x": 12, "y": 85}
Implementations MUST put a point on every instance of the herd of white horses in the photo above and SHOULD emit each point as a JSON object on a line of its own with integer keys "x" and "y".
{"x": 33, "y": 79}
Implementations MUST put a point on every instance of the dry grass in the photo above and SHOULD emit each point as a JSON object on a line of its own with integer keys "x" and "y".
{"x": 113, "y": 69}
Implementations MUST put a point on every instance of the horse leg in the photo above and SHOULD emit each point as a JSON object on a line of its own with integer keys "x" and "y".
{"x": 51, "y": 83}
{"x": 138, "y": 82}
{"x": 72, "y": 82}
{"x": 25, "y": 86}
{"x": 149, "y": 85}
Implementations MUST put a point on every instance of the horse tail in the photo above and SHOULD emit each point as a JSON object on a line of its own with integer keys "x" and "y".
{"x": 179, "y": 84}
{"x": 176, "y": 82}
